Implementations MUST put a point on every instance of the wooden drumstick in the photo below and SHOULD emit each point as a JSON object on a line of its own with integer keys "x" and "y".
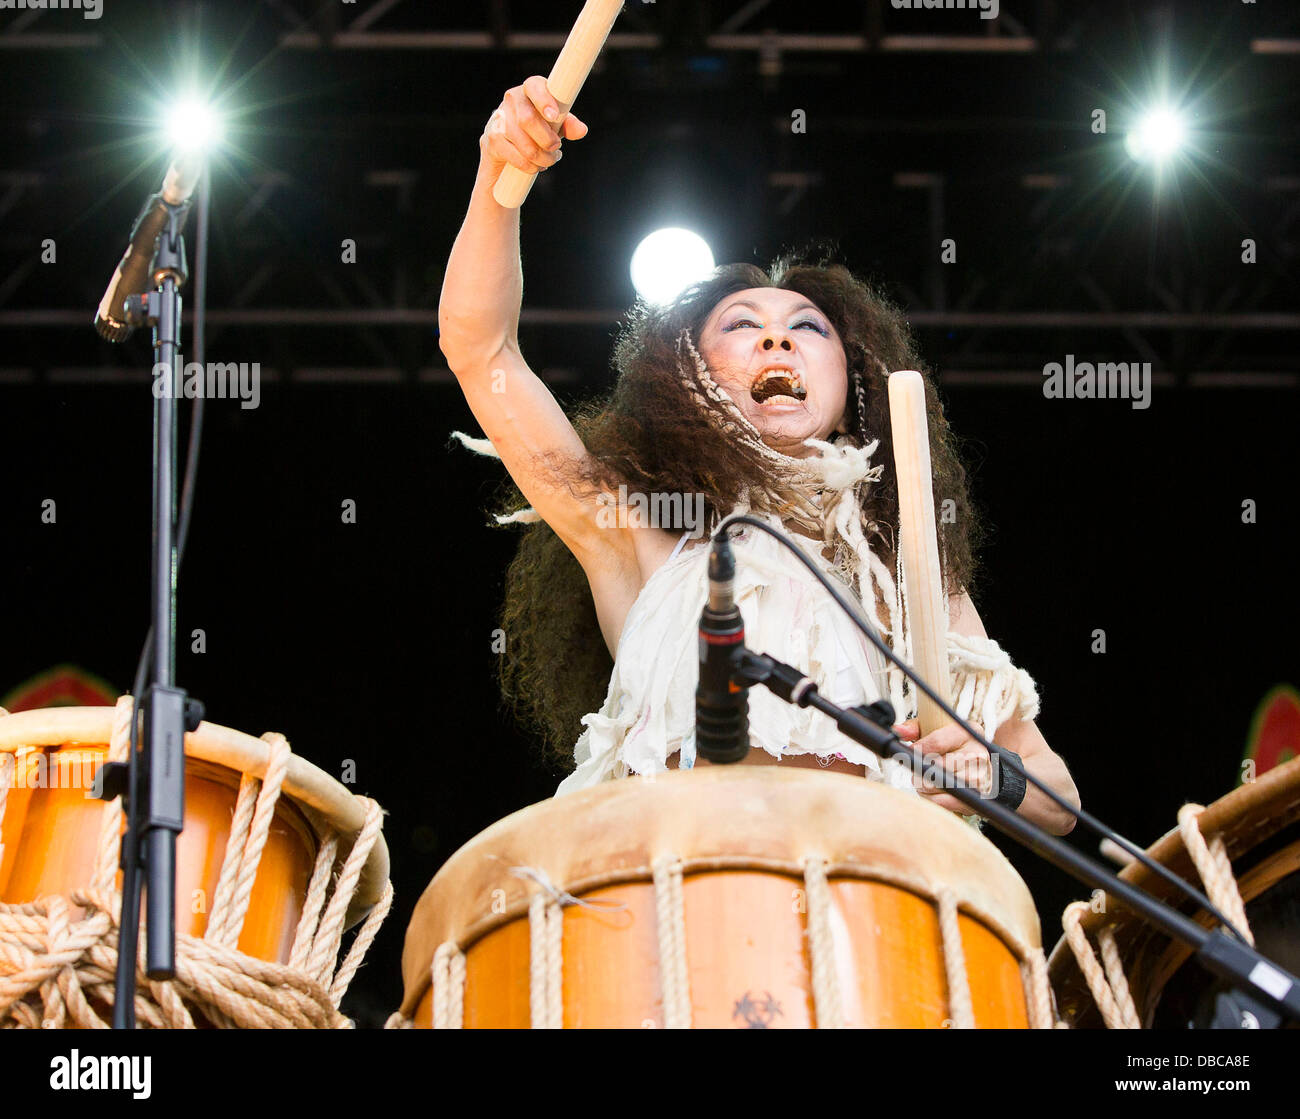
{"x": 570, "y": 72}
{"x": 927, "y": 609}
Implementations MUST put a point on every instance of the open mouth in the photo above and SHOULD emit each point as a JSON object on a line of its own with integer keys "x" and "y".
{"x": 777, "y": 382}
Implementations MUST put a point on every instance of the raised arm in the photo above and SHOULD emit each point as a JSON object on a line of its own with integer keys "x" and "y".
{"x": 478, "y": 321}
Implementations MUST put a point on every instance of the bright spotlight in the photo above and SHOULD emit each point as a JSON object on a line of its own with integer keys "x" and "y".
{"x": 1158, "y": 135}
{"x": 193, "y": 126}
{"x": 667, "y": 262}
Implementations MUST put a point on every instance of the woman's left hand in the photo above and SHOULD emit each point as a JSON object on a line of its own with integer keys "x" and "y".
{"x": 950, "y": 757}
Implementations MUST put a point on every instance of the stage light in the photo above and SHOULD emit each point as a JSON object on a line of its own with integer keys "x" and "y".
{"x": 668, "y": 261}
{"x": 1159, "y": 134}
{"x": 193, "y": 126}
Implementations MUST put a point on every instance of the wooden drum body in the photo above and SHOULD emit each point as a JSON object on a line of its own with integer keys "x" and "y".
{"x": 275, "y": 860}
{"x": 743, "y": 897}
{"x": 1253, "y": 834}
{"x": 51, "y": 829}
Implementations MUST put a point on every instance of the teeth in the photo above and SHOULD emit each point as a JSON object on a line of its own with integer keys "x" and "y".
{"x": 787, "y": 374}
{"x": 779, "y": 373}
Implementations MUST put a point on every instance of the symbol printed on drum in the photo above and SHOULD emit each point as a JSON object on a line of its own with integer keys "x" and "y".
{"x": 757, "y": 1015}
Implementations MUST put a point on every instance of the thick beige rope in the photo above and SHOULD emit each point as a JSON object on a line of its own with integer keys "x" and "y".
{"x": 1214, "y": 867}
{"x": 231, "y": 864}
{"x": 314, "y": 903}
{"x": 1038, "y": 990}
{"x": 56, "y": 971}
{"x": 545, "y": 962}
{"x": 960, "y": 1007}
{"x": 267, "y": 798}
{"x": 448, "y": 987}
{"x": 670, "y": 921}
{"x": 1114, "y": 969}
{"x": 70, "y": 967}
{"x": 110, "y": 828}
{"x": 554, "y": 965}
{"x": 827, "y": 1004}
{"x": 1117, "y": 1009}
{"x": 1107, "y": 981}
{"x": 361, "y": 945}
{"x": 330, "y": 934}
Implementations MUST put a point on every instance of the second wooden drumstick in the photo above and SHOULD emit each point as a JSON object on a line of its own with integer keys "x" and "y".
{"x": 927, "y": 611}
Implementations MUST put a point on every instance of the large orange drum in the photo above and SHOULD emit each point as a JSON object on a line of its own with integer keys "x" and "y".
{"x": 1112, "y": 969}
{"x": 275, "y": 861}
{"x": 746, "y": 896}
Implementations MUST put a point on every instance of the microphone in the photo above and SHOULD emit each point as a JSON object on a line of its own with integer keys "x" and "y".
{"x": 721, "y": 705}
{"x": 132, "y": 275}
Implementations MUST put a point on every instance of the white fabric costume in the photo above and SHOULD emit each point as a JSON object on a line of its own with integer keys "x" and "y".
{"x": 649, "y": 711}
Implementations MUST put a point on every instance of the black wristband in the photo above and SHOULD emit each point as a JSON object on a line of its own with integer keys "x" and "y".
{"x": 1011, "y": 782}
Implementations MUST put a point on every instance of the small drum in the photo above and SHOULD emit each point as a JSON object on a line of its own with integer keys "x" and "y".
{"x": 275, "y": 861}
{"x": 733, "y": 896}
{"x": 1245, "y": 847}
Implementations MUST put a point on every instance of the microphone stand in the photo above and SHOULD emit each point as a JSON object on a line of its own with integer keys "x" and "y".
{"x": 1262, "y": 993}
{"x": 152, "y": 782}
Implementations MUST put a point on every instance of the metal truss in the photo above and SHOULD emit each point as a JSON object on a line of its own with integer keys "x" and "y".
{"x": 389, "y": 308}
{"x": 752, "y": 26}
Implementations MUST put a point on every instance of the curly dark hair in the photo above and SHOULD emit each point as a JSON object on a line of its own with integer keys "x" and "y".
{"x": 650, "y": 435}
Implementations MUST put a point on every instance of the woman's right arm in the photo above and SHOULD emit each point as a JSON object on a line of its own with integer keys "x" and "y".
{"x": 478, "y": 322}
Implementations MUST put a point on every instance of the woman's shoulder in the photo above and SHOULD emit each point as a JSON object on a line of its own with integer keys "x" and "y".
{"x": 620, "y": 573}
{"x": 654, "y": 547}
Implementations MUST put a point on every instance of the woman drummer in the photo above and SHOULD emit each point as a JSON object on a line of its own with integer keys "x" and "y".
{"x": 757, "y": 391}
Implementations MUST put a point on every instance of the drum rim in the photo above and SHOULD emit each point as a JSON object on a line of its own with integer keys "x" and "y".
{"x": 305, "y": 783}
{"x": 1245, "y": 818}
{"x": 1003, "y": 903}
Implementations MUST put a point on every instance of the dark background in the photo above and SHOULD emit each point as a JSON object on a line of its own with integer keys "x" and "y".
{"x": 372, "y": 641}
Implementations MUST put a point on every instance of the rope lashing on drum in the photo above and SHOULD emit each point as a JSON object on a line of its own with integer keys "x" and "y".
{"x": 254, "y": 811}
{"x": 1215, "y": 868}
{"x": 961, "y": 1011}
{"x": 546, "y": 936}
{"x": 112, "y": 819}
{"x": 1108, "y": 985}
{"x": 448, "y": 987}
{"x": 545, "y": 962}
{"x": 1038, "y": 990}
{"x": 57, "y": 971}
{"x": 670, "y": 922}
{"x": 1106, "y": 981}
{"x": 828, "y": 1007}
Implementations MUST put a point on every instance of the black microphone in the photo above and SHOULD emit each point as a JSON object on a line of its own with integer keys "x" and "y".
{"x": 132, "y": 276}
{"x": 721, "y": 705}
